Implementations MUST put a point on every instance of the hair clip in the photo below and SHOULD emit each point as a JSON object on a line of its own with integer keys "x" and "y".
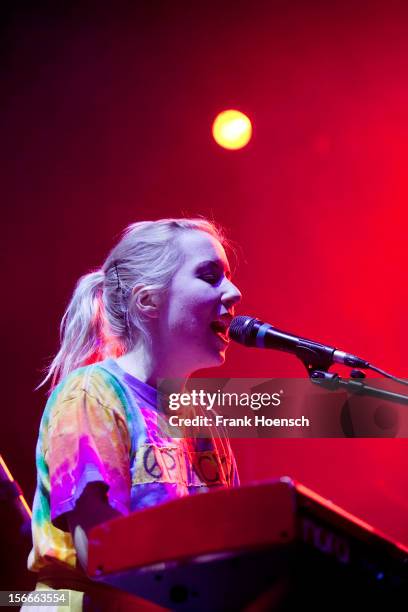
{"x": 117, "y": 276}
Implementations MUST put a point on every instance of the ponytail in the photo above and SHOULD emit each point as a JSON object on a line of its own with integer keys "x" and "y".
{"x": 83, "y": 334}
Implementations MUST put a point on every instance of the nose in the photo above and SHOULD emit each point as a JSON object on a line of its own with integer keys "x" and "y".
{"x": 231, "y": 294}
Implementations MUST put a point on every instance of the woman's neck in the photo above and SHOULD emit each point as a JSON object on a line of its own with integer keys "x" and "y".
{"x": 140, "y": 364}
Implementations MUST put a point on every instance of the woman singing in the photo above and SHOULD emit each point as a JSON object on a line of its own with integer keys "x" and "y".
{"x": 158, "y": 308}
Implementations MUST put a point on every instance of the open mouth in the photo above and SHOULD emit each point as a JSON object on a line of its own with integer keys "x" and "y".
{"x": 220, "y": 328}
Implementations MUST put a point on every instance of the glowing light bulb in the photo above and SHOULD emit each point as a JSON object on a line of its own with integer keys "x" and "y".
{"x": 232, "y": 129}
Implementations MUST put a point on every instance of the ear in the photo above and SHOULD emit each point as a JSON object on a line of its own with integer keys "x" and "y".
{"x": 146, "y": 300}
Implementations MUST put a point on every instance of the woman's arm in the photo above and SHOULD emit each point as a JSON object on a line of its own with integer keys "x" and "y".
{"x": 91, "y": 509}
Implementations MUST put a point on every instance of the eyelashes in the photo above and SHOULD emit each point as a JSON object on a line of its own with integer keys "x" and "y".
{"x": 211, "y": 279}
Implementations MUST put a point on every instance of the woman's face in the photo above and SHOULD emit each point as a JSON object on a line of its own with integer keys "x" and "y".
{"x": 196, "y": 312}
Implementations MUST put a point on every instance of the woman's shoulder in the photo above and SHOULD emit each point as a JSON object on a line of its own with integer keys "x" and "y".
{"x": 97, "y": 380}
{"x": 91, "y": 389}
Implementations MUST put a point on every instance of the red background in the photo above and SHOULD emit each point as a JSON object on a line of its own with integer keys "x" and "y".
{"x": 105, "y": 120}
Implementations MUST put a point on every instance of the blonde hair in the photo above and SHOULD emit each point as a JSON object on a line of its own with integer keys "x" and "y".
{"x": 104, "y": 318}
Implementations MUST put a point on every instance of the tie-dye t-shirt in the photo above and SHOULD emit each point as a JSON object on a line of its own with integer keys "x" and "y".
{"x": 101, "y": 424}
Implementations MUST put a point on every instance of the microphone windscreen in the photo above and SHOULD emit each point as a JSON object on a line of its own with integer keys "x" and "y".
{"x": 240, "y": 328}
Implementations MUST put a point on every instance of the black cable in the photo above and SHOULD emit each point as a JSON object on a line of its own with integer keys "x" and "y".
{"x": 398, "y": 380}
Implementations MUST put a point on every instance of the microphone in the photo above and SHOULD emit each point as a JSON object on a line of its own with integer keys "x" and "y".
{"x": 253, "y": 332}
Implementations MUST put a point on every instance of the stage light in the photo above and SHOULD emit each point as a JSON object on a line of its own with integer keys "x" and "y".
{"x": 232, "y": 129}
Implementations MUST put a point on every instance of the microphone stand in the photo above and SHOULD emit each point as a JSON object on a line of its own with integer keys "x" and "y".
{"x": 317, "y": 365}
{"x": 332, "y": 381}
